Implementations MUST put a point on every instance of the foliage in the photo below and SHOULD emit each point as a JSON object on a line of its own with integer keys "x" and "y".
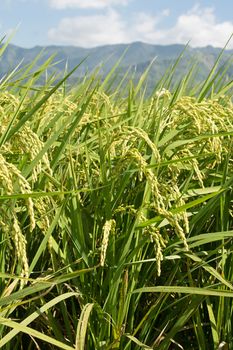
{"x": 116, "y": 213}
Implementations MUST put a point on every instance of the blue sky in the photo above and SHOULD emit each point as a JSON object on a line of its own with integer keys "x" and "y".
{"x": 90, "y": 23}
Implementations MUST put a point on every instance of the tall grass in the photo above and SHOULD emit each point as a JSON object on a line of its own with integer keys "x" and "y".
{"x": 116, "y": 213}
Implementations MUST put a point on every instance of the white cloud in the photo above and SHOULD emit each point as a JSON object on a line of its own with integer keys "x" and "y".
{"x": 199, "y": 25}
{"x": 87, "y": 31}
{"x": 83, "y": 4}
{"x": 12, "y": 2}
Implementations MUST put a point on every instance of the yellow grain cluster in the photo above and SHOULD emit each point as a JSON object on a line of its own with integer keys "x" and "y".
{"x": 108, "y": 228}
{"x": 131, "y": 145}
{"x": 209, "y": 116}
{"x": 22, "y": 147}
{"x": 11, "y": 182}
{"x": 124, "y": 146}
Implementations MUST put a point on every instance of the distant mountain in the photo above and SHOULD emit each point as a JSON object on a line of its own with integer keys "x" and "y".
{"x": 137, "y": 57}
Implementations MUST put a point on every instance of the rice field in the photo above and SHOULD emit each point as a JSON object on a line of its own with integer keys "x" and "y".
{"x": 116, "y": 212}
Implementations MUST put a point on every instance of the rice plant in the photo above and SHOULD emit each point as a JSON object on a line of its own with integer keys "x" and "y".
{"x": 116, "y": 213}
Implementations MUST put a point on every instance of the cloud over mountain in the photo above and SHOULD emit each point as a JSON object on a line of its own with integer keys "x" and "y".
{"x": 198, "y": 25}
{"x": 95, "y": 4}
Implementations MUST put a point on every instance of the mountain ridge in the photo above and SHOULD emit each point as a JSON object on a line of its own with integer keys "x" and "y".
{"x": 137, "y": 56}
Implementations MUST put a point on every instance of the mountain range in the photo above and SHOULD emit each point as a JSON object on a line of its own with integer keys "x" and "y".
{"x": 135, "y": 57}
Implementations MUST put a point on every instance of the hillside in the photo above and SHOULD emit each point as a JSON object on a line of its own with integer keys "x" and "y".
{"x": 137, "y": 57}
